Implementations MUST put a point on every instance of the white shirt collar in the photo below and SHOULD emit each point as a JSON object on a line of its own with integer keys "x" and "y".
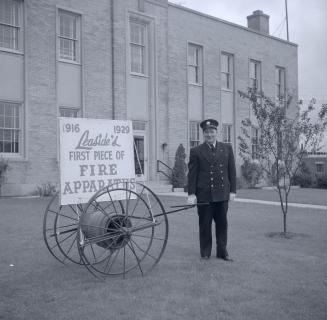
{"x": 215, "y": 144}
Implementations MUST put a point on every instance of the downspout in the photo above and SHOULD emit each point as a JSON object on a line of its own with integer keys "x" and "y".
{"x": 112, "y": 60}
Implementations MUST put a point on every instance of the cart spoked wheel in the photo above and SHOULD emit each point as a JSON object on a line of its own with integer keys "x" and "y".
{"x": 118, "y": 236}
{"x": 60, "y": 225}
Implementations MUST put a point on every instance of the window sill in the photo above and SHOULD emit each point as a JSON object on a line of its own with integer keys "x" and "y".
{"x": 2, "y": 49}
{"x": 69, "y": 62}
{"x": 139, "y": 75}
{"x": 195, "y": 84}
{"x": 226, "y": 90}
{"x": 13, "y": 157}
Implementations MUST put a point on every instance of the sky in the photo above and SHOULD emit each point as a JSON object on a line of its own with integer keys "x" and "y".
{"x": 307, "y": 28}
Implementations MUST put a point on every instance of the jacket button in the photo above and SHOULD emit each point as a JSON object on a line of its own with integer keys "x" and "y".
{"x": 221, "y": 165}
{"x": 211, "y": 172}
{"x": 212, "y": 186}
{"x": 222, "y": 178}
{"x": 221, "y": 171}
{"x": 211, "y": 179}
{"x": 222, "y": 185}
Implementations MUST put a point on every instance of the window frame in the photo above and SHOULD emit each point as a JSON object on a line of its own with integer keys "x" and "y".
{"x": 143, "y": 46}
{"x": 228, "y": 73}
{"x": 139, "y": 125}
{"x": 197, "y": 65}
{"x": 194, "y": 124}
{"x": 69, "y": 109}
{"x": 227, "y": 133}
{"x": 19, "y": 129}
{"x": 279, "y": 84}
{"x": 322, "y": 166}
{"x": 257, "y": 74}
{"x": 77, "y": 40}
{"x": 19, "y": 26}
{"x": 254, "y": 146}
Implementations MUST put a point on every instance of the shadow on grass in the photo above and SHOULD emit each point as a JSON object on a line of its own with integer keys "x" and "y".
{"x": 287, "y": 235}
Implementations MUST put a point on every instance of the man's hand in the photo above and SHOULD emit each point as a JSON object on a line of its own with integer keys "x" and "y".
{"x": 232, "y": 196}
{"x": 191, "y": 199}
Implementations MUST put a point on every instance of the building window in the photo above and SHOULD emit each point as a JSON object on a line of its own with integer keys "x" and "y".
{"x": 226, "y": 66}
{"x": 254, "y": 142}
{"x": 280, "y": 83}
{"x": 68, "y": 112}
{"x": 227, "y": 132}
{"x": 139, "y": 125}
{"x": 194, "y": 133}
{"x": 319, "y": 167}
{"x": 69, "y": 36}
{"x": 139, "y": 154}
{"x": 10, "y": 24}
{"x": 10, "y": 131}
{"x": 138, "y": 47}
{"x": 255, "y": 74}
{"x": 194, "y": 62}
{"x": 139, "y": 128}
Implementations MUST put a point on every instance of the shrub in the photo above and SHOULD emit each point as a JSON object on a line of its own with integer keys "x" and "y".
{"x": 4, "y": 166}
{"x": 302, "y": 180}
{"x": 322, "y": 182}
{"x": 46, "y": 189}
{"x": 303, "y": 177}
{"x": 180, "y": 168}
{"x": 240, "y": 183}
{"x": 252, "y": 172}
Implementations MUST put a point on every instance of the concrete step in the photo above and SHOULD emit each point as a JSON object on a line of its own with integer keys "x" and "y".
{"x": 164, "y": 181}
{"x": 158, "y": 187}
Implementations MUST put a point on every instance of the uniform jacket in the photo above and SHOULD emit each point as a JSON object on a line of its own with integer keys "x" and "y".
{"x": 212, "y": 175}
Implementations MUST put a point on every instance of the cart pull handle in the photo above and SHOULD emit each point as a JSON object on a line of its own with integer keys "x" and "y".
{"x": 190, "y": 205}
{"x": 180, "y": 208}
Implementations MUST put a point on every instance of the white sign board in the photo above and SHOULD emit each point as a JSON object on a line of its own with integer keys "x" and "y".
{"x": 94, "y": 154}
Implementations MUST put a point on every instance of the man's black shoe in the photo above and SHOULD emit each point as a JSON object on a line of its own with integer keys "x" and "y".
{"x": 205, "y": 257}
{"x": 226, "y": 258}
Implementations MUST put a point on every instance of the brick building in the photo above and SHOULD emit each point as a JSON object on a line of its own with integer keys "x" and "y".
{"x": 317, "y": 164}
{"x": 164, "y": 66}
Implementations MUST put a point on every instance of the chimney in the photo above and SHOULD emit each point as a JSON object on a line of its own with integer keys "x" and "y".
{"x": 141, "y": 5}
{"x": 259, "y": 21}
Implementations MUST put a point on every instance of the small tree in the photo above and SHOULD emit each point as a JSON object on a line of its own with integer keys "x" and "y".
{"x": 180, "y": 168}
{"x": 283, "y": 140}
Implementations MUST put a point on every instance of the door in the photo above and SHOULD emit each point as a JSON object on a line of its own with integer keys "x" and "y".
{"x": 140, "y": 157}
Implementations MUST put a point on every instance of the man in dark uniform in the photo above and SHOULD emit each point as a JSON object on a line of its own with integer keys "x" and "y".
{"x": 212, "y": 180}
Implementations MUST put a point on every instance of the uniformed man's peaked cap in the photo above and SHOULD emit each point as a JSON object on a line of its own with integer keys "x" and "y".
{"x": 209, "y": 123}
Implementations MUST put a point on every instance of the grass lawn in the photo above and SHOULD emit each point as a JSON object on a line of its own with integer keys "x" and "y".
{"x": 271, "y": 278}
{"x": 300, "y": 195}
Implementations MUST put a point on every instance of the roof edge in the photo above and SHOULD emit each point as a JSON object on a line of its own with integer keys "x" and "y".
{"x": 230, "y": 23}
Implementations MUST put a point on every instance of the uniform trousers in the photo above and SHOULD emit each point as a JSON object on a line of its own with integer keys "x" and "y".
{"x": 216, "y": 211}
